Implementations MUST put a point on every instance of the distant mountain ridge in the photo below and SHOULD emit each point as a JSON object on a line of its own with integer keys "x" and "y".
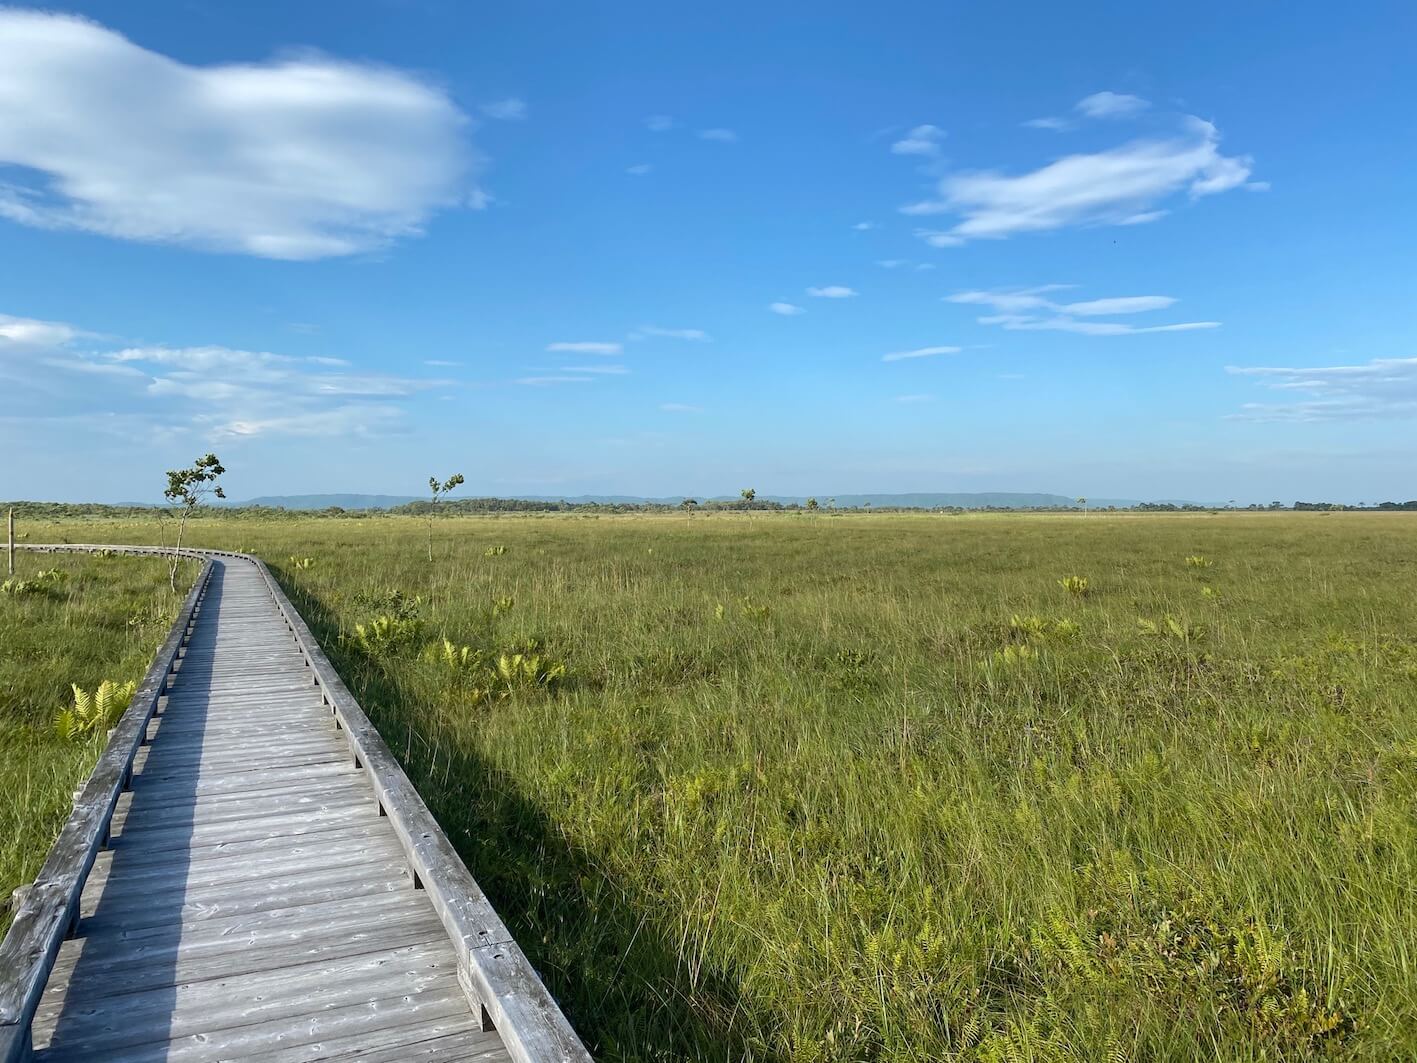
{"x": 912, "y": 500}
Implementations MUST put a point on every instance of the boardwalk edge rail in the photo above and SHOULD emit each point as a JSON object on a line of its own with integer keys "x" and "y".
{"x": 492, "y": 969}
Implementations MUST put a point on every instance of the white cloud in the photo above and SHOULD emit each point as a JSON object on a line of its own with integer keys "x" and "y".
{"x": 892, "y": 263}
{"x": 639, "y": 169}
{"x": 922, "y": 140}
{"x": 1130, "y": 304}
{"x": 725, "y": 136}
{"x": 785, "y": 309}
{"x": 919, "y": 352}
{"x": 696, "y": 334}
{"x": 603, "y": 370}
{"x": 508, "y": 110}
{"x": 864, "y": 226}
{"x": 1379, "y": 389}
{"x": 1110, "y": 105}
{"x": 220, "y": 392}
{"x": 832, "y": 291}
{"x": 659, "y": 123}
{"x": 587, "y": 348}
{"x": 1057, "y": 125}
{"x": 679, "y": 407}
{"x": 1028, "y": 309}
{"x": 1124, "y": 185}
{"x": 20, "y": 335}
{"x": 298, "y": 158}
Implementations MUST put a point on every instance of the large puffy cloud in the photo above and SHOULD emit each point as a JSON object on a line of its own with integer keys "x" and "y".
{"x": 297, "y": 158}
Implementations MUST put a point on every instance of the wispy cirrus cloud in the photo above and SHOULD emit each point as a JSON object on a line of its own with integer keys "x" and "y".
{"x": 680, "y": 407}
{"x": 509, "y": 110}
{"x": 1380, "y": 389}
{"x": 786, "y": 309}
{"x": 1103, "y": 105}
{"x": 602, "y": 370}
{"x": 919, "y": 352}
{"x": 1127, "y": 185}
{"x": 922, "y": 140}
{"x": 219, "y": 392}
{"x": 833, "y": 291}
{"x": 1031, "y": 310}
{"x": 586, "y": 347}
{"x": 1111, "y": 105}
{"x": 694, "y": 334}
{"x": 303, "y": 157}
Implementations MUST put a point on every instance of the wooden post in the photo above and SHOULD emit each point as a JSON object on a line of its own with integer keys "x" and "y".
{"x": 11, "y": 524}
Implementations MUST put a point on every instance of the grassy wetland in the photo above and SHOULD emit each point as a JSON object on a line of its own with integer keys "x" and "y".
{"x": 803, "y": 788}
{"x": 66, "y": 620}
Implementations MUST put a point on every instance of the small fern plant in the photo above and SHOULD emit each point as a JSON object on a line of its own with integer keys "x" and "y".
{"x": 93, "y": 712}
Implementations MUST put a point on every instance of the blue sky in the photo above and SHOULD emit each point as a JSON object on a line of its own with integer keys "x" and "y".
{"x": 638, "y": 248}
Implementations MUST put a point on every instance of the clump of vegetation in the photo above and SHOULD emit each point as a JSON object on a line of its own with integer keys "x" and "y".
{"x": 1077, "y": 586}
{"x": 94, "y": 712}
{"x": 387, "y": 634}
{"x": 300, "y": 562}
{"x": 494, "y": 551}
{"x": 45, "y": 582}
{"x": 1199, "y": 561}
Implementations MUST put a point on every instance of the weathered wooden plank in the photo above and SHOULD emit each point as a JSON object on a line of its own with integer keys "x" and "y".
{"x": 379, "y": 1026}
{"x": 224, "y": 1003}
{"x": 180, "y": 905}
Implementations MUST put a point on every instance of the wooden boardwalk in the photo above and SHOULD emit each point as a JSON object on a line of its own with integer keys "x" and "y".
{"x": 256, "y": 898}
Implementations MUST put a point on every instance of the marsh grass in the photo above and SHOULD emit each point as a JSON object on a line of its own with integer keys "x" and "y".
{"x": 100, "y": 619}
{"x": 889, "y": 788}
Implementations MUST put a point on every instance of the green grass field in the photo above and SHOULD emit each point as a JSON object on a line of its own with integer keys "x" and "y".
{"x": 880, "y": 788}
{"x": 104, "y": 618}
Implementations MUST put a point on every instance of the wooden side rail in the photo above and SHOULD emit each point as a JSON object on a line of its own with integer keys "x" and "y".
{"x": 492, "y": 969}
{"x": 45, "y": 912}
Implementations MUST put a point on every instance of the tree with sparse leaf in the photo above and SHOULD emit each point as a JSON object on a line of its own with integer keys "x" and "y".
{"x": 1082, "y": 502}
{"x": 748, "y": 494}
{"x": 811, "y": 505}
{"x": 688, "y": 507}
{"x": 439, "y": 490}
{"x": 186, "y": 490}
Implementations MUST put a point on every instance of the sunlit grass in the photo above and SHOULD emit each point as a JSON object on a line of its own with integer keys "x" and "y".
{"x": 912, "y": 788}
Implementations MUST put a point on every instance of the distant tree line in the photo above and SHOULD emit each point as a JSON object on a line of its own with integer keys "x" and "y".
{"x": 468, "y": 506}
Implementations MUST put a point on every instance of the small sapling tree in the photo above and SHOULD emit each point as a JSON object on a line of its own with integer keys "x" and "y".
{"x": 186, "y": 490}
{"x": 688, "y": 507}
{"x": 1082, "y": 502}
{"x": 748, "y": 494}
{"x": 439, "y": 490}
{"x": 811, "y": 505}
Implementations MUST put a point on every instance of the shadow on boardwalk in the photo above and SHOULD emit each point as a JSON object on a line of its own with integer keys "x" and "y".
{"x": 623, "y": 985}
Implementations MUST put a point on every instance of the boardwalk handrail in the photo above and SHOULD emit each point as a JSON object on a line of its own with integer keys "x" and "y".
{"x": 492, "y": 969}
{"x": 48, "y": 909}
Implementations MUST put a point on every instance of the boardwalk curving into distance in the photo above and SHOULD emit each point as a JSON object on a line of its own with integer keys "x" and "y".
{"x": 266, "y": 884}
